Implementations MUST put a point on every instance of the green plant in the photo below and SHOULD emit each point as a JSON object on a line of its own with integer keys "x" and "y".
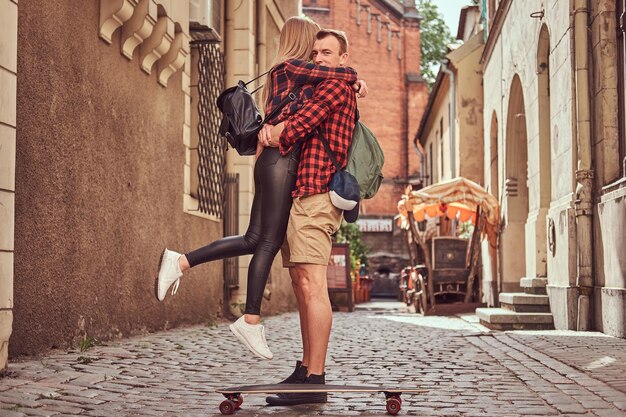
{"x": 350, "y": 233}
{"x": 435, "y": 37}
{"x": 466, "y": 229}
{"x": 240, "y": 306}
{"x": 87, "y": 343}
{"x": 85, "y": 360}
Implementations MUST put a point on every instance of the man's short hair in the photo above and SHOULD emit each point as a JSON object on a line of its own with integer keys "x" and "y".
{"x": 338, "y": 34}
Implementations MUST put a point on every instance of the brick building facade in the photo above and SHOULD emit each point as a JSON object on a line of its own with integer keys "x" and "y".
{"x": 384, "y": 37}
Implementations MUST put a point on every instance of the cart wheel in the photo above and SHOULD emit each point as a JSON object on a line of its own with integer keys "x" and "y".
{"x": 393, "y": 406}
{"x": 228, "y": 407}
{"x": 239, "y": 402}
{"x": 421, "y": 301}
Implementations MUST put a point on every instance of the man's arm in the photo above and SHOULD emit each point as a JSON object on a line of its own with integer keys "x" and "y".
{"x": 327, "y": 97}
{"x": 303, "y": 72}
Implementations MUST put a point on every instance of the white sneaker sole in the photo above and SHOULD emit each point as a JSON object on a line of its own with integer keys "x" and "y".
{"x": 156, "y": 279}
{"x": 245, "y": 342}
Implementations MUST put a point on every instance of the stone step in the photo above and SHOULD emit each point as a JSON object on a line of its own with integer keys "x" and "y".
{"x": 525, "y": 303}
{"x": 523, "y": 298}
{"x": 534, "y": 285}
{"x": 502, "y": 319}
{"x": 526, "y": 308}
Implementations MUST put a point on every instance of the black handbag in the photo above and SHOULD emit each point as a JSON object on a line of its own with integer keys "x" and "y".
{"x": 241, "y": 119}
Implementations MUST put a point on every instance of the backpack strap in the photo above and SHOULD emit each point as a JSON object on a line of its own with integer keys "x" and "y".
{"x": 329, "y": 151}
{"x": 327, "y": 145}
{"x": 257, "y": 77}
{"x": 292, "y": 96}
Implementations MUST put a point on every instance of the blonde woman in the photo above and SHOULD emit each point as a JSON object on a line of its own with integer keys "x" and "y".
{"x": 274, "y": 179}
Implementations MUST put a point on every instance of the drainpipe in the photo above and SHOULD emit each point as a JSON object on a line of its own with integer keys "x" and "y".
{"x": 483, "y": 17}
{"x": 261, "y": 51}
{"x": 422, "y": 162}
{"x": 444, "y": 68}
{"x": 584, "y": 173}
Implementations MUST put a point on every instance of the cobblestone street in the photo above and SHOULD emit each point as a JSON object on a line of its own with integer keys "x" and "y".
{"x": 467, "y": 370}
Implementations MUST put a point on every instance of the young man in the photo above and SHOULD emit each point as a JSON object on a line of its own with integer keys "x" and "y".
{"x": 313, "y": 218}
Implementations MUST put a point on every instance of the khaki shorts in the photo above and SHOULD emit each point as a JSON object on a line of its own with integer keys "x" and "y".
{"x": 312, "y": 220}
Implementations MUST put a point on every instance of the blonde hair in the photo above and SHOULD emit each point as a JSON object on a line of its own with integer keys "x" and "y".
{"x": 296, "y": 42}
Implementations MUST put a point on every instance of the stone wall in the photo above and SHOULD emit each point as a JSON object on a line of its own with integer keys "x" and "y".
{"x": 8, "y": 105}
{"x": 610, "y": 210}
{"x": 99, "y": 187}
{"x": 515, "y": 54}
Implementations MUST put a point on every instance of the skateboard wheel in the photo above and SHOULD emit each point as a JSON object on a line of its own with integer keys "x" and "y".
{"x": 228, "y": 407}
{"x": 397, "y": 397}
{"x": 393, "y": 406}
{"x": 238, "y": 402}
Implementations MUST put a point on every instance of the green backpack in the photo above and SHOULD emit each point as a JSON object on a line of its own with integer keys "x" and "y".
{"x": 365, "y": 160}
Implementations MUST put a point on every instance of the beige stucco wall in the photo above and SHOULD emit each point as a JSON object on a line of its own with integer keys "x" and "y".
{"x": 515, "y": 52}
{"x": 468, "y": 109}
{"x": 438, "y": 137}
{"x": 468, "y": 116}
{"x": 99, "y": 188}
{"x": 8, "y": 104}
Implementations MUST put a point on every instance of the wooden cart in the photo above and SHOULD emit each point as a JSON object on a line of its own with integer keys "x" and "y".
{"x": 445, "y": 266}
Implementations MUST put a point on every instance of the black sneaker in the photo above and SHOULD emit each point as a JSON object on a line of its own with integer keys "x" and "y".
{"x": 296, "y": 398}
{"x": 297, "y": 376}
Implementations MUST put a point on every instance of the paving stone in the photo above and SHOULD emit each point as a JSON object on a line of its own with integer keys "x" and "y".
{"x": 36, "y": 412}
{"x": 8, "y": 412}
{"x": 467, "y": 373}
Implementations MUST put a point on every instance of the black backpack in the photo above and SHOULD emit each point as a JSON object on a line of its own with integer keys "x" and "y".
{"x": 241, "y": 119}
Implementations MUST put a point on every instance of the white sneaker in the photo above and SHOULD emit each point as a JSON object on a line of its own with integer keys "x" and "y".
{"x": 253, "y": 336}
{"x": 169, "y": 273}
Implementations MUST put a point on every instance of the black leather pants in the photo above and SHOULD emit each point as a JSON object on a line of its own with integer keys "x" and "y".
{"x": 274, "y": 179}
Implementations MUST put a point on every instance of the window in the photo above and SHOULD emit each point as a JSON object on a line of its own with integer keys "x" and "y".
{"x": 206, "y": 150}
{"x": 431, "y": 179}
{"x": 441, "y": 144}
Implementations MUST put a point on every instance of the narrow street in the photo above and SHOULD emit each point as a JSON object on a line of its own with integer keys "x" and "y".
{"x": 467, "y": 370}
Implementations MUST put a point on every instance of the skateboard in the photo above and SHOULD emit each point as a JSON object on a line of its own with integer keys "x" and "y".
{"x": 234, "y": 398}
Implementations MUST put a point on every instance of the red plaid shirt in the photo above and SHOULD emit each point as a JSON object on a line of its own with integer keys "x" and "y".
{"x": 292, "y": 73}
{"x": 332, "y": 109}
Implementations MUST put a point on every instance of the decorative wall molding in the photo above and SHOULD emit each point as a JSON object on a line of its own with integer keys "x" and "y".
{"x": 373, "y": 15}
{"x": 139, "y": 27}
{"x": 146, "y": 24}
{"x": 511, "y": 188}
{"x": 398, "y": 35}
{"x": 157, "y": 44}
{"x": 113, "y": 14}
{"x": 174, "y": 59}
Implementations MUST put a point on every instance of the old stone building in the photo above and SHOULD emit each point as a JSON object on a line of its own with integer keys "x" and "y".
{"x": 451, "y": 131}
{"x": 109, "y": 152}
{"x": 384, "y": 37}
{"x": 553, "y": 79}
